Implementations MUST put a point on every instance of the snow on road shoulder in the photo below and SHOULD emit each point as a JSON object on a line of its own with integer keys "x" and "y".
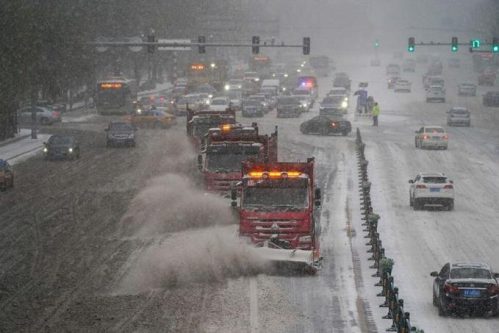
{"x": 22, "y": 149}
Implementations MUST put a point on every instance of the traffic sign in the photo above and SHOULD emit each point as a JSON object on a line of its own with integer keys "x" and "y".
{"x": 173, "y": 47}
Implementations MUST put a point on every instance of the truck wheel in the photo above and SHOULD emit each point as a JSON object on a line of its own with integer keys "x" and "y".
{"x": 416, "y": 143}
{"x": 411, "y": 202}
{"x": 450, "y": 205}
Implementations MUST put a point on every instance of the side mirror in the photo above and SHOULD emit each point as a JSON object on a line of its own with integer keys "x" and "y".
{"x": 411, "y": 181}
{"x": 106, "y": 130}
{"x": 416, "y": 132}
{"x": 434, "y": 274}
{"x": 200, "y": 162}
{"x": 451, "y": 181}
{"x": 44, "y": 143}
{"x": 496, "y": 275}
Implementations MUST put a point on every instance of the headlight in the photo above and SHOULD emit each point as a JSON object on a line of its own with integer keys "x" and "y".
{"x": 139, "y": 111}
{"x": 344, "y": 104}
{"x": 210, "y": 96}
{"x": 227, "y": 87}
{"x": 45, "y": 149}
{"x": 70, "y": 150}
{"x": 285, "y": 75}
{"x": 257, "y": 79}
{"x": 130, "y": 136}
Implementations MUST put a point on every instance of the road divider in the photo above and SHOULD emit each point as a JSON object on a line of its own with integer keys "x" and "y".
{"x": 401, "y": 320}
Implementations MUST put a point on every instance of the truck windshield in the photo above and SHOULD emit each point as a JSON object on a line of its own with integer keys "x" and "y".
{"x": 228, "y": 162}
{"x": 282, "y": 198}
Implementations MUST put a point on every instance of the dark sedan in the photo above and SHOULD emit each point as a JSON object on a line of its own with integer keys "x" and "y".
{"x": 61, "y": 147}
{"x": 326, "y": 125}
{"x": 465, "y": 288}
{"x": 491, "y": 98}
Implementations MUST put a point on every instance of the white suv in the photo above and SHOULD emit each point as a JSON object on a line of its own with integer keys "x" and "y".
{"x": 431, "y": 189}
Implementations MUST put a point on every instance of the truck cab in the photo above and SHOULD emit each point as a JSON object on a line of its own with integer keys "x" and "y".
{"x": 278, "y": 211}
{"x": 226, "y": 147}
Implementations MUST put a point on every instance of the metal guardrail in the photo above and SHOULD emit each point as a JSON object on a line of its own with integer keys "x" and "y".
{"x": 401, "y": 320}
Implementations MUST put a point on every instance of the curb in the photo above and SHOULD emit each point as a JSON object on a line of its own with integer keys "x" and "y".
{"x": 12, "y": 140}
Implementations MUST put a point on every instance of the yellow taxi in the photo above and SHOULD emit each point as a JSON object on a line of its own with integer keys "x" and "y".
{"x": 152, "y": 118}
{"x": 6, "y": 175}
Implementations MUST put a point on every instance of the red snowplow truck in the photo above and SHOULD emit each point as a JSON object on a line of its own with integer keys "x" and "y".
{"x": 278, "y": 213}
{"x": 226, "y": 147}
{"x": 199, "y": 122}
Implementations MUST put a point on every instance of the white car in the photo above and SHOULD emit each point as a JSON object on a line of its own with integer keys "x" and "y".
{"x": 220, "y": 103}
{"x": 402, "y": 85}
{"x": 431, "y": 137}
{"x": 466, "y": 89}
{"x": 435, "y": 93}
{"x": 431, "y": 189}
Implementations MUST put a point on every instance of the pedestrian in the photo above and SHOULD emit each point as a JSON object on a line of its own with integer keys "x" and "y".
{"x": 375, "y": 113}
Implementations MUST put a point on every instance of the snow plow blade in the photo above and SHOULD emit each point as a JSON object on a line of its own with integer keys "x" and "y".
{"x": 290, "y": 260}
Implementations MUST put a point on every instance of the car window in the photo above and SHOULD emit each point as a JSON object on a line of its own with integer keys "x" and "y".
{"x": 470, "y": 273}
{"x": 434, "y": 180}
{"x": 434, "y": 130}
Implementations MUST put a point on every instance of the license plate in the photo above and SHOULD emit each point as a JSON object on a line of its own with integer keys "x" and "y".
{"x": 436, "y": 138}
{"x": 471, "y": 293}
{"x": 434, "y": 189}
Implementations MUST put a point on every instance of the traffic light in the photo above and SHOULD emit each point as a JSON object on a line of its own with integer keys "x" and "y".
{"x": 151, "y": 39}
{"x": 495, "y": 45}
{"x": 411, "y": 44}
{"x": 255, "y": 41}
{"x": 201, "y": 42}
{"x": 454, "y": 44}
{"x": 475, "y": 43}
{"x": 306, "y": 45}
{"x": 376, "y": 43}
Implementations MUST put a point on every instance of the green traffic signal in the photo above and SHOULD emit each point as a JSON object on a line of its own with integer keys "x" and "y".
{"x": 376, "y": 44}
{"x": 411, "y": 44}
{"x": 495, "y": 45}
{"x": 454, "y": 44}
{"x": 475, "y": 43}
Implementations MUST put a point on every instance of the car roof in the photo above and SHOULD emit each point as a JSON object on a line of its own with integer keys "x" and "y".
{"x": 470, "y": 265}
{"x": 432, "y": 174}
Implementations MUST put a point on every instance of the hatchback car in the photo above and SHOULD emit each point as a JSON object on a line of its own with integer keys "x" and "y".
{"x": 435, "y": 93}
{"x": 466, "y": 288}
{"x": 120, "y": 133}
{"x": 6, "y": 175}
{"x": 466, "y": 89}
{"x": 402, "y": 86}
{"x": 431, "y": 189}
{"x": 458, "y": 116}
{"x": 431, "y": 137}
{"x": 61, "y": 147}
{"x": 491, "y": 98}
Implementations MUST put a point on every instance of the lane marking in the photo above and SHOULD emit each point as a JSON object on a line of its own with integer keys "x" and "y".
{"x": 253, "y": 305}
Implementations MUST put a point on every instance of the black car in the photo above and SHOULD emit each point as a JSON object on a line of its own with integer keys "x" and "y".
{"x": 491, "y": 98}
{"x": 288, "y": 106}
{"x": 61, "y": 147}
{"x": 465, "y": 288}
{"x": 326, "y": 125}
{"x": 342, "y": 80}
{"x": 252, "y": 108}
{"x": 120, "y": 133}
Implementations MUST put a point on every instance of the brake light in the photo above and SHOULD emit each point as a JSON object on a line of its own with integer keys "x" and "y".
{"x": 493, "y": 289}
{"x": 333, "y": 124}
{"x": 56, "y": 114}
{"x": 420, "y": 186}
{"x": 425, "y": 137}
{"x": 450, "y": 288}
{"x": 445, "y": 137}
{"x": 448, "y": 186}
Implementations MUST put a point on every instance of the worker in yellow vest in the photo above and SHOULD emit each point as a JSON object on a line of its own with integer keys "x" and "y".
{"x": 375, "y": 113}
